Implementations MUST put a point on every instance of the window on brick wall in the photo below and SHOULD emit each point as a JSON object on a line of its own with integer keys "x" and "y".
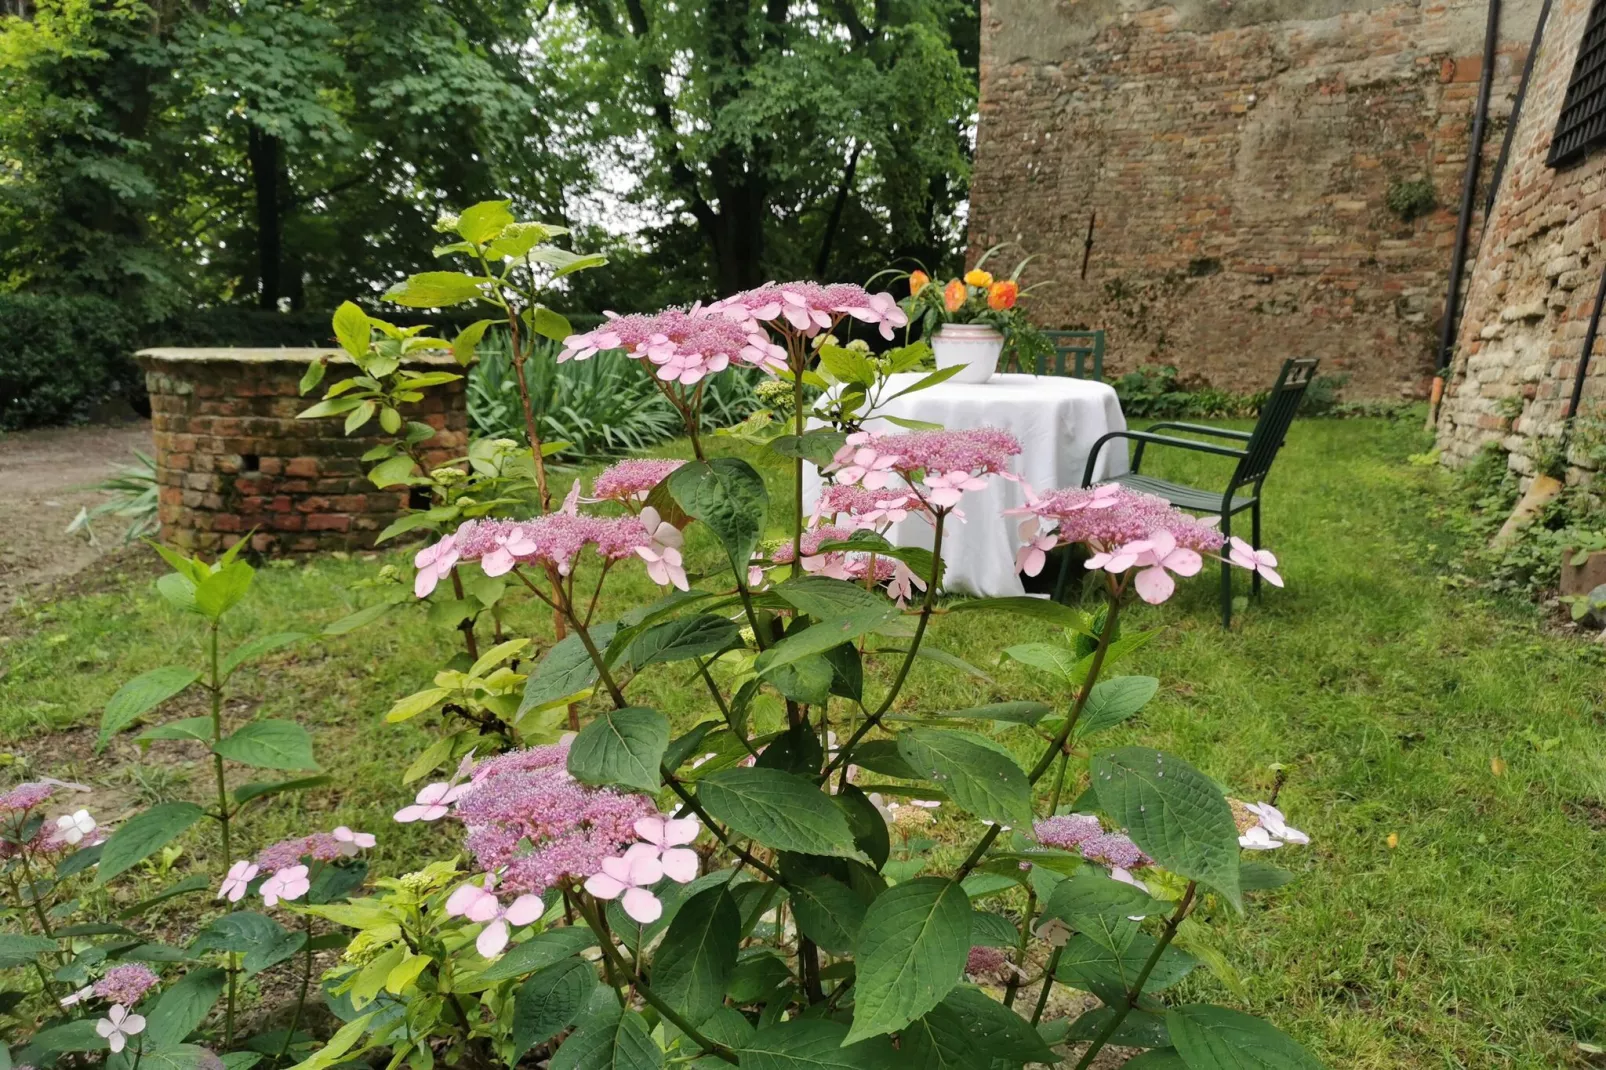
{"x": 1582, "y": 123}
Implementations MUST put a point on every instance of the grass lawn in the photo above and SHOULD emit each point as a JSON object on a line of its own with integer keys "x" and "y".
{"x": 1445, "y": 753}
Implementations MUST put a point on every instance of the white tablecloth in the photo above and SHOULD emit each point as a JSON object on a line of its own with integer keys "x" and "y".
{"x": 1056, "y": 419}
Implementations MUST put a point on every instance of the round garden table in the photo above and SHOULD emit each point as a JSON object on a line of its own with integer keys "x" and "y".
{"x": 1056, "y": 420}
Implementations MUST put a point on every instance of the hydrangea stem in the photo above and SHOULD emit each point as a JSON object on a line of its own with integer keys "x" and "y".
{"x": 215, "y": 687}
{"x": 1131, "y": 1001}
{"x": 871, "y": 720}
{"x": 611, "y": 956}
{"x": 301, "y": 998}
{"x": 1057, "y": 746}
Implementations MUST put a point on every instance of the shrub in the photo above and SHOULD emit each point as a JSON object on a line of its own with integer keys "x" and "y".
{"x": 62, "y": 356}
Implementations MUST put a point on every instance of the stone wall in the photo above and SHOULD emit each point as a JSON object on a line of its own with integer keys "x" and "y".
{"x": 1533, "y": 284}
{"x": 231, "y": 457}
{"x": 1239, "y": 156}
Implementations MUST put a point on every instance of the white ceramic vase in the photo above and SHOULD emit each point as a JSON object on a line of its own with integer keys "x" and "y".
{"x": 975, "y": 345}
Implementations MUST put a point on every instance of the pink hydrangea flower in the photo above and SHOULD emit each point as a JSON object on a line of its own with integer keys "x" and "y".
{"x": 949, "y": 463}
{"x": 1157, "y": 557}
{"x": 1270, "y": 831}
{"x": 125, "y": 984}
{"x": 72, "y": 829}
{"x": 25, "y": 797}
{"x": 433, "y": 802}
{"x": 629, "y": 878}
{"x": 1067, "y": 832}
{"x": 352, "y": 842}
{"x": 809, "y": 308}
{"x": 1114, "y": 850}
{"x": 482, "y": 905}
{"x": 288, "y": 884}
{"x": 240, "y": 875}
{"x": 1107, "y": 517}
{"x": 554, "y": 540}
{"x": 535, "y": 825}
{"x": 662, "y": 552}
{"x": 319, "y": 846}
{"x": 669, "y": 836}
{"x": 632, "y": 480}
{"x": 1262, "y": 561}
{"x": 685, "y": 346}
{"x": 118, "y": 1026}
{"x": 988, "y": 964}
{"x": 1038, "y": 540}
{"x": 434, "y": 563}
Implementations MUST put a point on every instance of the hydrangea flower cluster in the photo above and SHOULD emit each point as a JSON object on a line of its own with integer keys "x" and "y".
{"x": 555, "y": 540}
{"x": 809, "y": 308}
{"x": 685, "y": 345}
{"x": 662, "y": 853}
{"x": 124, "y": 984}
{"x": 1128, "y": 529}
{"x": 50, "y": 837}
{"x": 534, "y": 825}
{"x": 854, "y": 506}
{"x": 632, "y": 480}
{"x": 941, "y": 465}
{"x": 988, "y": 964}
{"x": 285, "y": 862}
{"x": 1083, "y": 833}
{"x": 852, "y": 565}
{"x": 480, "y": 903}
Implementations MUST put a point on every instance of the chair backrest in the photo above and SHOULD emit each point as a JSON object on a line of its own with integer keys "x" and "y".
{"x": 1076, "y": 353}
{"x": 1275, "y": 417}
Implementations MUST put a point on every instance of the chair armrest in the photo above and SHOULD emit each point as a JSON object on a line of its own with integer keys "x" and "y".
{"x": 1142, "y": 438}
{"x": 1201, "y": 429}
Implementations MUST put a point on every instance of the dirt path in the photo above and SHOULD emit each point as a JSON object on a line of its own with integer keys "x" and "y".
{"x": 45, "y": 478}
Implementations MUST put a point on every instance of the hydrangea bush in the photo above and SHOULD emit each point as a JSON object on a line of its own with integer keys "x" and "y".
{"x": 761, "y": 887}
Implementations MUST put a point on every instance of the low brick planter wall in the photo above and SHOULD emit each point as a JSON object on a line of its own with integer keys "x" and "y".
{"x": 232, "y": 458}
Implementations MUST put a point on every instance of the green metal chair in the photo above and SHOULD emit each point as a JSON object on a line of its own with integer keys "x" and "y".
{"x": 1255, "y": 457}
{"x": 1072, "y": 350}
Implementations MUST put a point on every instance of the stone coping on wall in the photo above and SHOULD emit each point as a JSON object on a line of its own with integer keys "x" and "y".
{"x": 284, "y": 355}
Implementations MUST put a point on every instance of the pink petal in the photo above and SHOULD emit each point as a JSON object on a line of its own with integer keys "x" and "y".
{"x": 459, "y": 901}
{"x": 642, "y": 906}
{"x": 1154, "y": 585}
{"x": 524, "y": 910}
{"x": 1183, "y": 562}
{"x": 651, "y": 829}
{"x": 492, "y": 939}
{"x": 680, "y": 864}
{"x": 605, "y": 887}
{"x": 679, "y": 830}
{"x": 1271, "y": 576}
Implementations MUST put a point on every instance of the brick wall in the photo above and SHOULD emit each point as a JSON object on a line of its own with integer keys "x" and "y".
{"x": 1533, "y": 284}
{"x": 232, "y": 457}
{"x": 1238, "y": 155}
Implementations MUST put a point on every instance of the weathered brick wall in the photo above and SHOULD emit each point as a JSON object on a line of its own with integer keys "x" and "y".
{"x": 1238, "y": 155}
{"x": 1533, "y": 284}
{"x": 231, "y": 455}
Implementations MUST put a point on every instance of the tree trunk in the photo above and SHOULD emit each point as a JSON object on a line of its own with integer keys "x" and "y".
{"x": 265, "y": 152}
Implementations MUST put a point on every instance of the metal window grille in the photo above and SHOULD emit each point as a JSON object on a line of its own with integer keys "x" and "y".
{"x": 1582, "y": 122}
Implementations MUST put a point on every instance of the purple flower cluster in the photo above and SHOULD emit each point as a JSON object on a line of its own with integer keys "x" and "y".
{"x": 808, "y": 307}
{"x": 1110, "y": 516}
{"x": 1084, "y": 833}
{"x": 988, "y": 963}
{"x": 25, "y": 797}
{"x": 948, "y": 462}
{"x": 319, "y": 846}
{"x": 632, "y": 480}
{"x": 860, "y": 507}
{"x": 684, "y": 345}
{"x": 555, "y": 539}
{"x": 126, "y": 984}
{"x": 534, "y": 824}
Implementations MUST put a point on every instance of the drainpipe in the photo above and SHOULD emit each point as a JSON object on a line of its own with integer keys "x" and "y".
{"x": 1469, "y": 183}
{"x": 1583, "y": 357}
{"x": 1516, "y": 113}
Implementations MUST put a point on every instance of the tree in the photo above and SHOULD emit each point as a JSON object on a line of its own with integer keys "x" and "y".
{"x": 797, "y": 138}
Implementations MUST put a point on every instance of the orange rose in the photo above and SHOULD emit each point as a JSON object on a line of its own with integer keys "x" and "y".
{"x": 1003, "y": 295}
{"x": 918, "y": 280}
{"x": 979, "y": 278}
{"x": 953, "y": 295}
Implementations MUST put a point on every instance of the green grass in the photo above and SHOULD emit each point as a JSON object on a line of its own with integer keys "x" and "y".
{"x": 1386, "y": 693}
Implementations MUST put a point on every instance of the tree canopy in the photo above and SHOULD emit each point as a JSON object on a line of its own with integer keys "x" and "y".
{"x": 170, "y": 153}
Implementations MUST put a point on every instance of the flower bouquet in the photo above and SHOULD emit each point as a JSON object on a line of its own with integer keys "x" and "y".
{"x": 972, "y": 319}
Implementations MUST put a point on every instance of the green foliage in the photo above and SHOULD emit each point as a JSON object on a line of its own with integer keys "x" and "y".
{"x": 61, "y": 356}
{"x": 1411, "y": 198}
